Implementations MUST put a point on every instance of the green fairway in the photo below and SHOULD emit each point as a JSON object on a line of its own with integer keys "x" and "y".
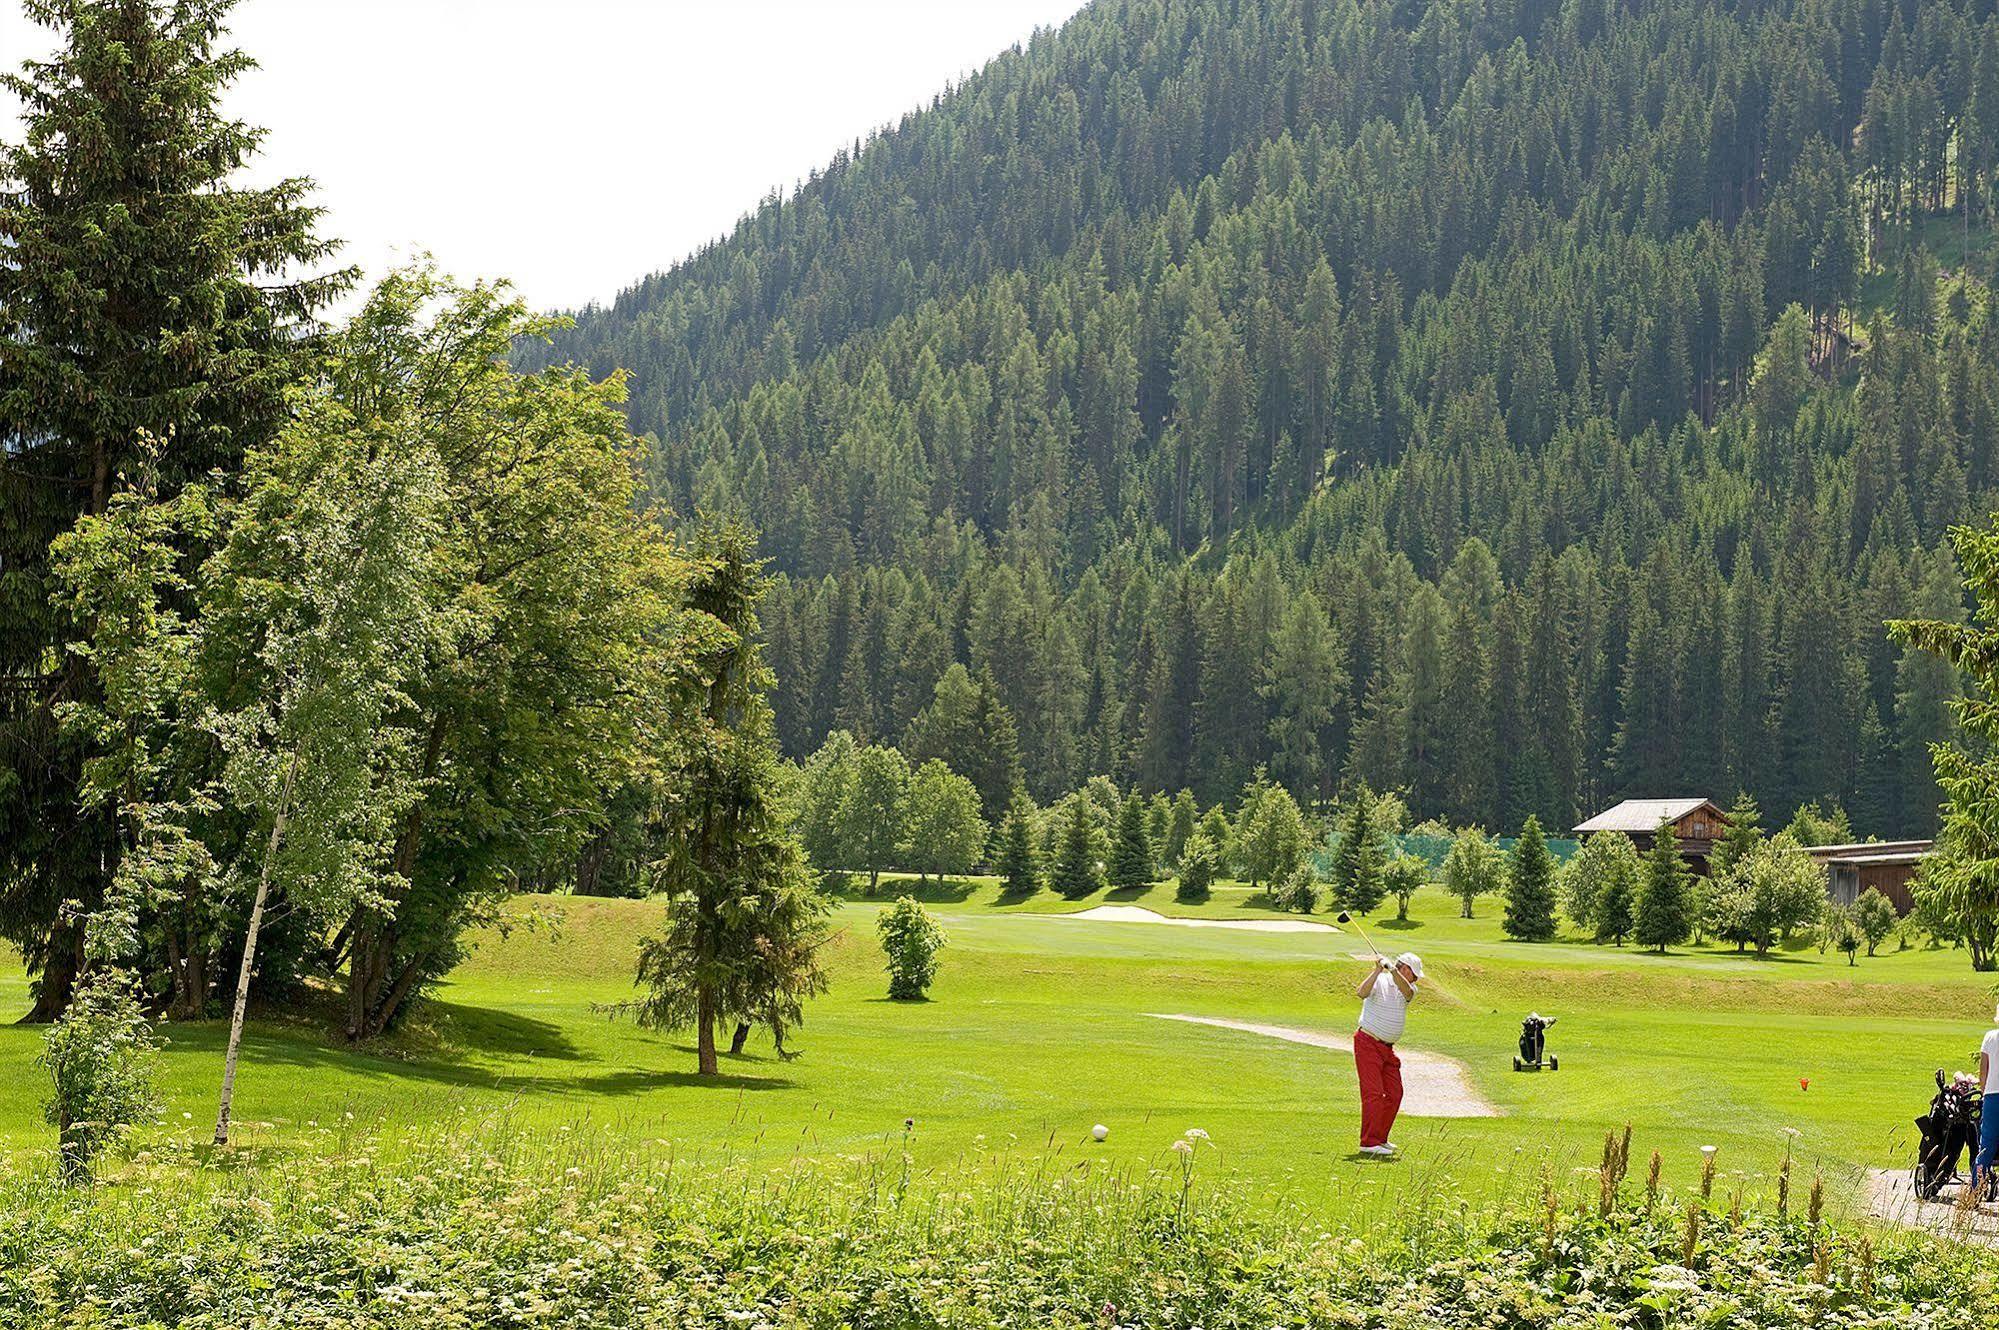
{"x": 1041, "y": 1026}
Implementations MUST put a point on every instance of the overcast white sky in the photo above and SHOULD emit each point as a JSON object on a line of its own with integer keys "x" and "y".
{"x": 575, "y": 145}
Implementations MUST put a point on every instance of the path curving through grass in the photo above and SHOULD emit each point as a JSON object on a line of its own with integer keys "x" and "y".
{"x": 1434, "y": 1086}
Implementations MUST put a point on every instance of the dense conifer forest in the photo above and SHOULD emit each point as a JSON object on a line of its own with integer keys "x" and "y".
{"x": 1513, "y": 405}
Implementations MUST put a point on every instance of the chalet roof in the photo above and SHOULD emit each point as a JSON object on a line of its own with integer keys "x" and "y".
{"x": 1872, "y": 854}
{"x": 1887, "y": 859}
{"x": 1869, "y": 849}
{"x": 1645, "y": 815}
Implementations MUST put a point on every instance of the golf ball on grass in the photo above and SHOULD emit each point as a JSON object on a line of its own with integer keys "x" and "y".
{"x": 1099, "y": 1132}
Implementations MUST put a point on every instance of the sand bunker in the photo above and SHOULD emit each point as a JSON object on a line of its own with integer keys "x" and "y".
{"x": 1433, "y": 1086}
{"x": 1138, "y": 914}
{"x": 1891, "y": 1197}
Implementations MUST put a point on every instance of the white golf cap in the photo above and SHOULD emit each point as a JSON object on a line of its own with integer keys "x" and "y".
{"x": 1413, "y": 961}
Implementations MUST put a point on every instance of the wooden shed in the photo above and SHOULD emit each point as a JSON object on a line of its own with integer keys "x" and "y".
{"x": 1886, "y": 865}
{"x": 1697, "y": 823}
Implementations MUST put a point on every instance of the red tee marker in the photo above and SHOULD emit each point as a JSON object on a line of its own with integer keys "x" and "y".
{"x": 1804, "y": 1082}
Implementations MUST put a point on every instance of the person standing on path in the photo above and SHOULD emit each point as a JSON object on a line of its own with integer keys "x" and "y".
{"x": 1988, "y": 1112}
{"x": 1384, "y": 996}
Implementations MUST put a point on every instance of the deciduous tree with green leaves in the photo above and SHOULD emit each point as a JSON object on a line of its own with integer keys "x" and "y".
{"x": 1606, "y": 862}
{"x": 561, "y": 669}
{"x": 1402, "y": 877}
{"x": 875, "y": 816}
{"x": 1473, "y": 867}
{"x": 319, "y": 612}
{"x": 1767, "y": 891}
{"x": 1270, "y": 834}
{"x": 1200, "y": 865}
{"x": 947, "y": 835}
{"x": 1875, "y": 916}
{"x": 911, "y": 940}
{"x": 103, "y": 1064}
{"x": 152, "y": 763}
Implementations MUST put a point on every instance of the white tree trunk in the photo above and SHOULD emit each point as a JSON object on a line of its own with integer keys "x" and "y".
{"x": 250, "y": 956}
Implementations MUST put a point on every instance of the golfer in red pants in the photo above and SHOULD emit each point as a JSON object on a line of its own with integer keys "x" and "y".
{"x": 1385, "y": 996}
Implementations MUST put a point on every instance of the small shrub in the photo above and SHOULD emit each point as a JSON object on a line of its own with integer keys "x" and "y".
{"x": 1874, "y": 914}
{"x": 1839, "y": 931}
{"x": 103, "y": 1060}
{"x": 911, "y": 940}
{"x": 1297, "y": 892}
{"x": 1200, "y": 865}
{"x": 1404, "y": 876}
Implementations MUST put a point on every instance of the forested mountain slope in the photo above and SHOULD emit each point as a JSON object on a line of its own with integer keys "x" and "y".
{"x": 1515, "y": 404}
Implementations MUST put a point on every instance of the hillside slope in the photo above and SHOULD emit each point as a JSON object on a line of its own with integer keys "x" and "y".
{"x": 1469, "y": 398}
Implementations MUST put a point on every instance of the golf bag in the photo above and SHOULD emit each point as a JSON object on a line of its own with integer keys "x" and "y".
{"x": 1948, "y": 1130}
{"x": 1533, "y": 1045}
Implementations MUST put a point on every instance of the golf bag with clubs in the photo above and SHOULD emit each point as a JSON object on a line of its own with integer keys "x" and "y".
{"x": 1949, "y": 1129}
{"x": 1533, "y": 1054}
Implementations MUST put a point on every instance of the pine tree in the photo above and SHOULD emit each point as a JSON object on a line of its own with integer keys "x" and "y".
{"x": 1180, "y": 823}
{"x": 1530, "y": 887}
{"x": 1131, "y": 854}
{"x": 1019, "y": 869}
{"x": 745, "y": 919}
{"x": 1076, "y": 872}
{"x": 1742, "y": 834}
{"x": 1357, "y": 858}
{"x": 146, "y": 294}
{"x": 1664, "y": 915}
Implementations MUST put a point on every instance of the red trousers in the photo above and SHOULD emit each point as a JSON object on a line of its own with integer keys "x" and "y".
{"x": 1380, "y": 1086}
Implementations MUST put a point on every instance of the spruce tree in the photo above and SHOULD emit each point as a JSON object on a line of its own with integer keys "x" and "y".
{"x": 1530, "y": 887}
{"x": 1131, "y": 854}
{"x": 1742, "y": 834}
{"x": 1019, "y": 869}
{"x": 146, "y": 293}
{"x": 1664, "y": 916}
{"x": 745, "y": 919}
{"x": 1180, "y": 825}
{"x": 1076, "y": 872}
{"x": 1356, "y": 877}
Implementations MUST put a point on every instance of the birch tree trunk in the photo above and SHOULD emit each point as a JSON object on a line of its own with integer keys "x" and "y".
{"x": 250, "y": 956}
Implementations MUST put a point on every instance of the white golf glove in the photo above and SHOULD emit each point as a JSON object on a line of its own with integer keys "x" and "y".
{"x": 1383, "y": 963}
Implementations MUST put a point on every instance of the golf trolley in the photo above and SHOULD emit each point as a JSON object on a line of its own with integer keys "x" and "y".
{"x": 1533, "y": 1054}
{"x": 1949, "y": 1129}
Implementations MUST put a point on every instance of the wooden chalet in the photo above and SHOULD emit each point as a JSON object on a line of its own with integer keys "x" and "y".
{"x": 1886, "y": 865}
{"x": 1697, "y": 824}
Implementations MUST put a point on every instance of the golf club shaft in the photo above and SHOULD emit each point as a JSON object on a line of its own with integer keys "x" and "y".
{"x": 1365, "y": 938}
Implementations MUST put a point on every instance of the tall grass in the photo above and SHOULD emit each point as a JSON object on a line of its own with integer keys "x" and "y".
{"x": 490, "y": 1225}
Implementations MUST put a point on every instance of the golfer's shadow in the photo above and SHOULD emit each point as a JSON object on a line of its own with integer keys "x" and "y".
{"x": 1363, "y": 1157}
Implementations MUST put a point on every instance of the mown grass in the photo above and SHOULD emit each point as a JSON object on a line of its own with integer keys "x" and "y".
{"x": 1041, "y": 1026}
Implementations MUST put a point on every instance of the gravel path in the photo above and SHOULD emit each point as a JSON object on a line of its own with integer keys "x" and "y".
{"x": 1433, "y": 1086}
{"x": 1891, "y": 1197}
{"x": 1138, "y": 914}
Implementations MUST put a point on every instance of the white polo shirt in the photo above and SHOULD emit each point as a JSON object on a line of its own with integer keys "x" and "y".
{"x": 1990, "y": 1048}
{"x": 1384, "y": 1011}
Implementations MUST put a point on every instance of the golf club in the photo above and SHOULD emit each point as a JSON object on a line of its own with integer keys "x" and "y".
{"x": 1347, "y": 918}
